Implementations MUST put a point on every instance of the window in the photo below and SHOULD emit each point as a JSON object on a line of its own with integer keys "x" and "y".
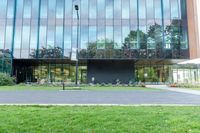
{"x": 92, "y": 34}
{"x": 166, "y": 9}
{"x": 59, "y": 36}
{"x": 101, "y": 9}
{"x": 92, "y": 9}
{"x": 43, "y": 13}
{"x": 174, "y": 9}
{"x": 183, "y": 37}
{"x": 43, "y": 35}
{"x": 68, "y": 9}
{"x": 51, "y": 36}
{"x": 19, "y": 13}
{"x": 2, "y": 33}
{"x": 117, "y": 37}
{"x": 27, "y": 9}
{"x": 52, "y": 10}
{"x": 109, "y": 34}
{"x": 9, "y": 32}
{"x": 125, "y": 34}
{"x": 133, "y": 9}
{"x": 150, "y": 9}
{"x": 109, "y": 9}
{"x": 60, "y": 9}
{"x": 10, "y": 10}
{"x": 68, "y": 39}
{"x": 3, "y": 6}
{"x": 117, "y": 9}
{"x": 125, "y": 9}
{"x": 84, "y": 37}
{"x": 74, "y": 36}
{"x": 18, "y": 36}
{"x": 26, "y": 37}
{"x": 167, "y": 42}
{"x": 84, "y": 9}
{"x": 133, "y": 38}
{"x": 101, "y": 37}
{"x": 158, "y": 11}
{"x": 142, "y": 9}
{"x": 33, "y": 41}
{"x": 142, "y": 33}
{"x": 151, "y": 43}
{"x": 35, "y": 9}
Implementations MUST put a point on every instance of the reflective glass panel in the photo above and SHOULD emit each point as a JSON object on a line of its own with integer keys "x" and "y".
{"x": 27, "y": 8}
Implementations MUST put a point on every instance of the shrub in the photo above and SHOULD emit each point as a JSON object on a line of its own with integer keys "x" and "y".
{"x": 5, "y": 79}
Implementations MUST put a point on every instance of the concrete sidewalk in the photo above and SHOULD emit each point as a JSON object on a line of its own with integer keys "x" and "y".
{"x": 174, "y": 89}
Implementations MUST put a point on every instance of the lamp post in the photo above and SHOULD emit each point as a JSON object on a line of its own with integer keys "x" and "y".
{"x": 77, "y": 9}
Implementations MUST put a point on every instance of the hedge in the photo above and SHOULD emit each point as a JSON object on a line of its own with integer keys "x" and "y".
{"x": 6, "y": 80}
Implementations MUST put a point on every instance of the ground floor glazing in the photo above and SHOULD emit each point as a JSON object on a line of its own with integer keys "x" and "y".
{"x": 48, "y": 72}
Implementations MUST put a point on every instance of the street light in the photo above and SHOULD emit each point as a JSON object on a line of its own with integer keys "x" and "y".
{"x": 77, "y": 8}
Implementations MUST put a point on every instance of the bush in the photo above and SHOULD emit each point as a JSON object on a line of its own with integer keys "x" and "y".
{"x": 5, "y": 79}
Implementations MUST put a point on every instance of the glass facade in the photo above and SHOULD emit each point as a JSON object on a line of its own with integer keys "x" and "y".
{"x": 50, "y": 73}
{"x": 109, "y": 29}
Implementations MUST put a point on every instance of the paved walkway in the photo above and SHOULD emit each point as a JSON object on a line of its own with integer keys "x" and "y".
{"x": 147, "y": 97}
{"x": 181, "y": 90}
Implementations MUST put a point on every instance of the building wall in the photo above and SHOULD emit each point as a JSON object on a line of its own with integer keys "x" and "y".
{"x": 193, "y": 11}
{"x": 110, "y": 72}
{"x": 109, "y": 29}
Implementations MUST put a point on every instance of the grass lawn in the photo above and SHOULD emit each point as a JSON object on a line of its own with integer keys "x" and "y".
{"x": 36, "y": 119}
{"x": 198, "y": 89}
{"x": 16, "y": 87}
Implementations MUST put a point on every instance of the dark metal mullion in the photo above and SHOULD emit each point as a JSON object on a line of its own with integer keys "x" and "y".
{"x": 104, "y": 28}
{"x": 13, "y": 35}
{"x": 38, "y": 29}
{"x": 186, "y": 23}
{"x": 79, "y": 30}
{"x": 163, "y": 29}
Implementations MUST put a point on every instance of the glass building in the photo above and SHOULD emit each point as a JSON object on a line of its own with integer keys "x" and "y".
{"x": 118, "y": 40}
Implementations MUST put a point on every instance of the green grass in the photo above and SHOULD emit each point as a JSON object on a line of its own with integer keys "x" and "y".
{"x": 16, "y": 87}
{"x": 190, "y": 88}
{"x": 35, "y": 119}
{"x": 195, "y": 89}
{"x": 198, "y": 89}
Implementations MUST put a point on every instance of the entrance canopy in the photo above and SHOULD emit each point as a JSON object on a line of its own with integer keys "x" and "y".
{"x": 194, "y": 61}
